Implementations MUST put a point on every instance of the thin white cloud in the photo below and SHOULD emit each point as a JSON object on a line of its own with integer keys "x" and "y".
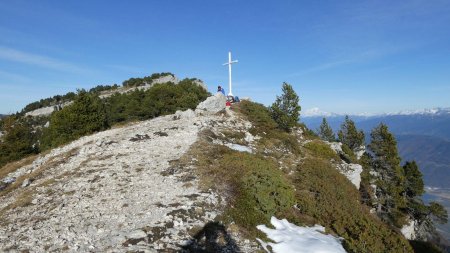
{"x": 14, "y": 77}
{"x": 14, "y": 55}
{"x": 365, "y": 56}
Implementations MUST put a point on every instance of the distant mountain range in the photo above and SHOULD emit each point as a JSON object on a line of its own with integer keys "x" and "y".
{"x": 2, "y": 116}
{"x": 423, "y": 136}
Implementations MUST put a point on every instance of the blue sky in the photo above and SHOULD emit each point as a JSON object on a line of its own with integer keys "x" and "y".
{"x": 340, "y": 56}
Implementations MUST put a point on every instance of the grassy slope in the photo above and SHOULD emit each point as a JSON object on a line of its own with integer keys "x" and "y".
{"x": 291, "y": 180}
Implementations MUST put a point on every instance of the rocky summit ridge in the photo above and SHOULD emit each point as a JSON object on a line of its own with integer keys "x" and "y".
{"x": 114, "y": 191}
{"x": 124, "y": 189}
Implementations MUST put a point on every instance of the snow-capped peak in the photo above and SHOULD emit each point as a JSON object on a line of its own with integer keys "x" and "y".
{"x": 432, "y": 111}
{"x": 315, "y": 112}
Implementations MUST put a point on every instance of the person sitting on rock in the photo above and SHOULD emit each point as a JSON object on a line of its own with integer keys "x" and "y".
{"x": 220, "y": 89}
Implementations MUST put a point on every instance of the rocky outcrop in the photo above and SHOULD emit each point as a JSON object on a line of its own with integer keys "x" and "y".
{"x": 408, "y": 230}
{"x": 45, "y": 111}
{"x": 201, "y": 84}
{"x": 350, "y": 170}
{"x": 166, "y": 79}
{"x": 212, "y": 104}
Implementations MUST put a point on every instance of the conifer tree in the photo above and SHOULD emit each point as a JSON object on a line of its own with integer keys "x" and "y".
{"x": 326, "y": 132}
{"x": 286, "y": 110}
{"x": 390, "y": 179}
{"x": 349, "y": 135}
{"x": 438, "y": 211}
{"x": 413, "y": 180}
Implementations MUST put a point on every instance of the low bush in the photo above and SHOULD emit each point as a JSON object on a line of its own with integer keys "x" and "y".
{"x": 321, "y": 149}
{"x": 327, "y": 196}
{"x": 261, "y": 191}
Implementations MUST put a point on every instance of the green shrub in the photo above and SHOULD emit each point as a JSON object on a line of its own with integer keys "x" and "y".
{"x": 321, "y": 149}
{"x": 260, "y": 188}
{"x": 327, "y": 196}
{"x": 264, "y": 125}
{"x": 161, "y": 99}
{"x": 258, "y": 115}
{"x": 18, "y": 140}
{"x": 85, "y": 116}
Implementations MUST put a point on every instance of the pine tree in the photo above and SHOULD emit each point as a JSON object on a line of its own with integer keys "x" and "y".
{"x": 438, "y": 212}
{"x": 349, "y": 135}
{"x": 390, "y": 179}
{"x": 286, "y": 110}
{"x": 413, "y": 180}
{"x": 326, "y": 132}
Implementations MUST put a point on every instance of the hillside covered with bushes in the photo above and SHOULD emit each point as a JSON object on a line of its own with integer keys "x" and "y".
{"x": 88, "y": 113}
{"x": 241, "y": 166}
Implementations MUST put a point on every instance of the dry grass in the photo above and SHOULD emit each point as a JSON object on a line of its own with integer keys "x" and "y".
{"x": 25, "y": 197}
{"x": 13, "y": 166}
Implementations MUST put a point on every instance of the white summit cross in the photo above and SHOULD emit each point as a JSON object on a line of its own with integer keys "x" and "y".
{"x": 229, "y": 70}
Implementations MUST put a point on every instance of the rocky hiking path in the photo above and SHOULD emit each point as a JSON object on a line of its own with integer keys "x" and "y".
{"x": 114, "y": 191}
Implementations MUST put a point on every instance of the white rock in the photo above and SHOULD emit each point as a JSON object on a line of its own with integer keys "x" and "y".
{"x": 201, "y": 84}
{"x": 335, "y": 146}
{"x": 9, "y": 180}
{"x": 408, "y": 230}
{"x": 26, "y": 182}
{"x": 188, "y": 114}
{"x": 352, "y": 172}
{"x": 136, "y": 234}
{"x": 212, "y": 104}
{"x": 359, "y": 152}
{"x": 166, "y": 79}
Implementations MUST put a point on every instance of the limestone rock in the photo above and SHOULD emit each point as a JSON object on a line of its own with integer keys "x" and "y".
{"x": 188, "y": 114}
{"x": 166, "y": 79}
{"x": 335, "y": 146}
{"x": 212, "y": 104}
{"x": 352, "y": 172}
{"x": 26, "y": 182}
{"x": 359, "y": 152}
{"x": 408, "y": 230}
{"x": 201, "y": 84}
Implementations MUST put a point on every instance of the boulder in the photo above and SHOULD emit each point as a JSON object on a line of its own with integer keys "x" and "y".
{"x": 352, "y": 172}
{"x": 212, "y": 104}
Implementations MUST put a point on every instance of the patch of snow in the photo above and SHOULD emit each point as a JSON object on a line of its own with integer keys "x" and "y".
{"x": 291, "y": 238}
{"x": 238, "y": 147}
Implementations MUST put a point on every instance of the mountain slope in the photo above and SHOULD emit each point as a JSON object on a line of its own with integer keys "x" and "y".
{"x": 168, "y": 183}
{"x": 108, "y": 190}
